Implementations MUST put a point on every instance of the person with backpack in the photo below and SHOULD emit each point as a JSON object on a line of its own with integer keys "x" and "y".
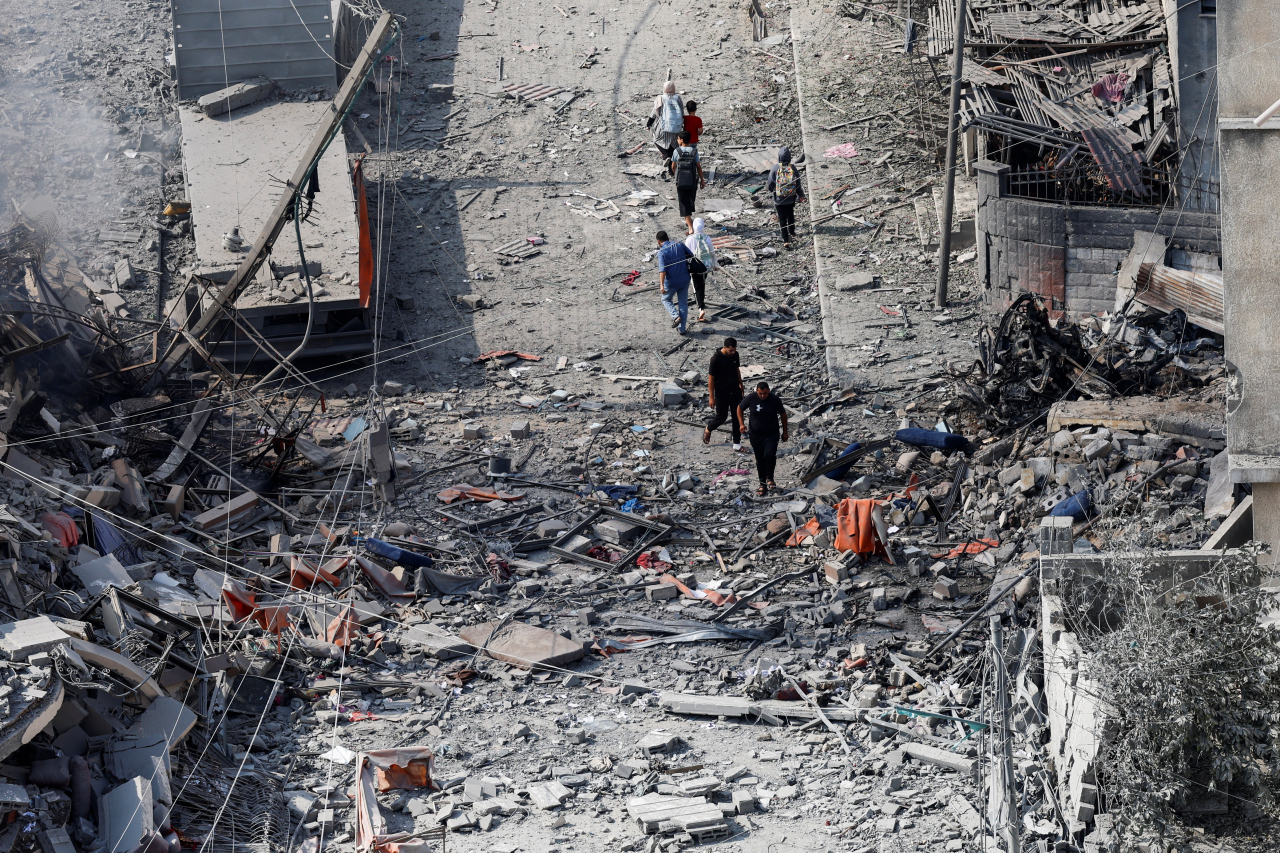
{"x": 674, "y": 264}
{"x": 687, "y": 168}
{"x": 666, "y": 120}
{"x": 784, "y": 183}
{"x": 699, "y": 245}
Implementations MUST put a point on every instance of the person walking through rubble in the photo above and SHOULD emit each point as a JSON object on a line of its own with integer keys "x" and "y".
{"x": 673, "y": 279}
{"x": 667, "y": 120}
{"x": 784, "y": 183}
{"x": 724, "y": 390}
{"x": 699, "y": 245}
{"x": 758, "y": 416}
{"x": 687, "y": 168}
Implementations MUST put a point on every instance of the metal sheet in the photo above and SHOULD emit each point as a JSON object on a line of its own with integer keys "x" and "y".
{"x": 1119, "y": 163}
{"x": 1196, "y": 293}
{"x": 220, "y": 42}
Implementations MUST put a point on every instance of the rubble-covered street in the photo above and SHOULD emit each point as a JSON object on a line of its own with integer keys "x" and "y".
{"x": 354, "y": 475}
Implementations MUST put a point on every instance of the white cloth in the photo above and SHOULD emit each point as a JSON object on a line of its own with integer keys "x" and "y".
{"x": 699, "y": 245}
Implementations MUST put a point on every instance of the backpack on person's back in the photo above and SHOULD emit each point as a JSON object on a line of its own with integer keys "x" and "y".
{"x": 686, "y": 163}
{"x": 787, "y": 184}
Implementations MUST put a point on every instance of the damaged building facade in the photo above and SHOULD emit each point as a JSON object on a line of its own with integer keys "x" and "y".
{"x": 1093, "y": 135}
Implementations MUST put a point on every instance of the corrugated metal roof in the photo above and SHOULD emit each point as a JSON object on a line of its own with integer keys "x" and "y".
{"x": 1198, "y": 294}
{"x": 1115, "y": 155}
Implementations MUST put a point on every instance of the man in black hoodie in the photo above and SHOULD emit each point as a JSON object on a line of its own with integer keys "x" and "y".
{"x": 784, "y": 183}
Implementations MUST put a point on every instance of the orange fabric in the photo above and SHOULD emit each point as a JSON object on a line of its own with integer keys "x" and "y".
{"x": 463, "y": 490}
{"x": 856, "y": 530}
{"x": 344, "y": 628}
{"x": 811, "y": 528}
{"x": 302, "y": 575}
{"x": 239, "y": 601}
{"x": 975, "y": 547}
{"x": 716, "y": 598}
{"x": 366, "y": 244}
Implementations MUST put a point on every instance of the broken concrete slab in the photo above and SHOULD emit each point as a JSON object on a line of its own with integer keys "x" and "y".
{"x": 21, "y": 640}
{"x": 236, "y": 96}
{"x": 941, "y": 758}
{"x": 125, "y": 816}
{"x": 657, "y": 812}
{"x": 436, "y": 641}
{"x": 525, "y": 646}
{"x": 100, "y": 573}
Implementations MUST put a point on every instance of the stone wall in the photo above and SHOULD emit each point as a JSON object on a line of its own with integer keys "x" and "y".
{"x": 1067, "y": 254}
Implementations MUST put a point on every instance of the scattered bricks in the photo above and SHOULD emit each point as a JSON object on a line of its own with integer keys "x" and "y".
{"x": 946, "y": 589}
{"x": 835, "y": 573}
{"x": 657, "y": 743}
{"x": 670, "y": 394}
{"x": 224, "y": 512}
{"x": 743, "y": 802}
{"x": 521, "y": 429}
{"x": 471, "y": 301}
{"x": 879, "y": 598}
{"x": 471, "y": 430}
{"x": 1097, "y": 449}
{"x": 661, "y": 592}
{"x": 391, "y": 388}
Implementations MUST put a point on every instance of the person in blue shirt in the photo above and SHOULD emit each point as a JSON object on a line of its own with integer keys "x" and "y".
{"x": 673, "y": 279}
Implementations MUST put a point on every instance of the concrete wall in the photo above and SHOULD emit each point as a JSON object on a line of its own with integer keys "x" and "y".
{"x": 1193, "y": 48}
{"x": 1249, "y": 81}
{"x": 1067, "y": 254}
{"x": 220, "y": 42}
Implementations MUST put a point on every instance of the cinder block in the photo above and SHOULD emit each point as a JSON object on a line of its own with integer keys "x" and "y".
{"x": 661, "y": 592}
{"x": 520, "y": 429}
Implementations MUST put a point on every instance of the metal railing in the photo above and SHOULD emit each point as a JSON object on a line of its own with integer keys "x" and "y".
{"x": 1088, "y": 185}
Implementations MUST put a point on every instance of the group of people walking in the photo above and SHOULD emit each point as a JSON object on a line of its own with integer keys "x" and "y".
{"x": 676, "y": 130}
{"x": 760, "y": 415}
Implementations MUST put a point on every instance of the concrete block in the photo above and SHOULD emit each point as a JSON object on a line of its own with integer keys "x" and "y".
{"x": 618, "y": 531}
{"x": 657, "y": 743}
{"x": 670, "y": 394}
{"x": 550, "y": 528}
{"x": 879, "y": 598}
{"x": 1097, "y": 449}
{"x": 472, "y": 430}
{"x": 941, "y": 758}
{"x": 175, "y": 502}
{"x": 391, "y": 388}
{"x": 106, "y": 497}
{"x": 236, "y": 96}
{"x": 946, "y": 589}
{"x": 835, "y": 573}
{"x": 661, "y": 592}
{"x": 439, "y": 92}
{"x": 743, "y": 802}
{"x": 521, "y": 429}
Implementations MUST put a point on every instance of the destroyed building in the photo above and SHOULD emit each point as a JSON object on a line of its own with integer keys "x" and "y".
{"x": 354, "y": 481}
{"x": 1091, "y": 127}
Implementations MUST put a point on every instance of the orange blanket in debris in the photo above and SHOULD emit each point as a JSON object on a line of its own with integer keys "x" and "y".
{"x": 462, "y": 490}
{"x": 856, "y": 530}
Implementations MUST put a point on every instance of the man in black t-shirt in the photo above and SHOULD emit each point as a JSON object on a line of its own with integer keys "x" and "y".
{"x": 759, "y": 415}
{"x": 724, "y": 388}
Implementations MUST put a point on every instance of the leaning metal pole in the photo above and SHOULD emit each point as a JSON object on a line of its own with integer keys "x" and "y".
{"x": 949, "y": 193}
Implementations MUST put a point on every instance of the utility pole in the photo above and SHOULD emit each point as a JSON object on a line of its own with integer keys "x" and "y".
{"x": 949, "y": 193}
{"x": 1002, "y": 809}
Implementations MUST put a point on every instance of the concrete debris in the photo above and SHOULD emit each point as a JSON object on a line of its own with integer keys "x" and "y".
{"x": 296, "y": 566}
